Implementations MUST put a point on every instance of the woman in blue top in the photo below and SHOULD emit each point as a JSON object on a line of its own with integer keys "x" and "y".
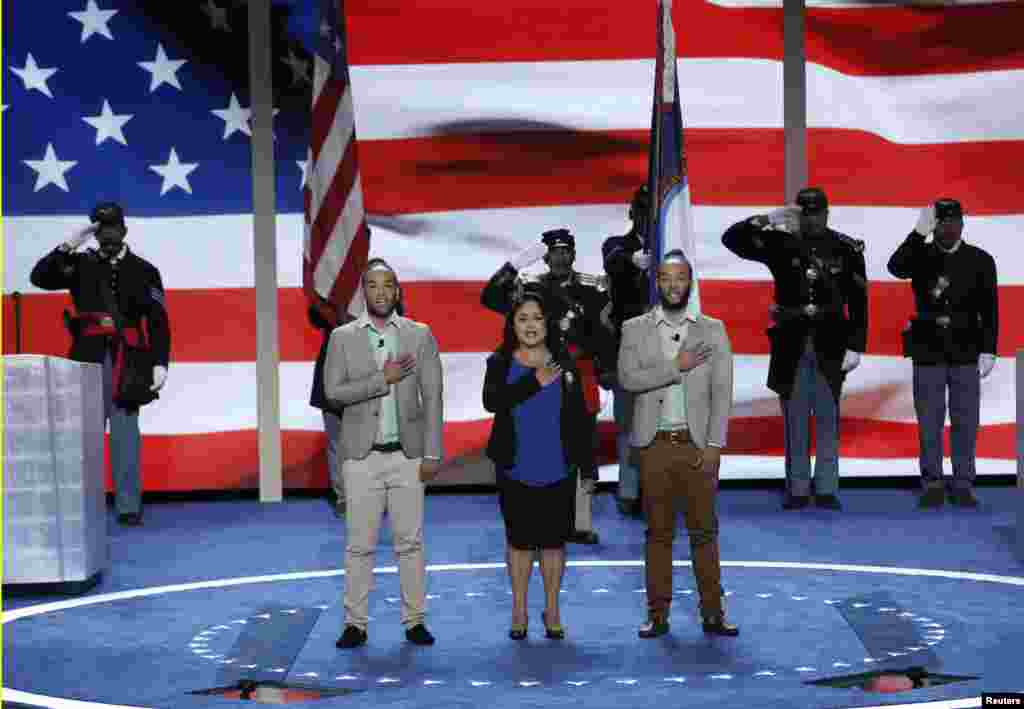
{"x": 541, "y": 437}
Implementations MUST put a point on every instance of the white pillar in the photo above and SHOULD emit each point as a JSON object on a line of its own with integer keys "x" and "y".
{"x": 265, "y": 252}
{"x": 794, "y": 90}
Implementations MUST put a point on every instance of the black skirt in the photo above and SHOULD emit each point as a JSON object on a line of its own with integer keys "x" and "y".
{"x": 536, "y": 516}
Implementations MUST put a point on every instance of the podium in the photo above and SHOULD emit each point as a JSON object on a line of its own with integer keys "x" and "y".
{"x": 55, "y": 523}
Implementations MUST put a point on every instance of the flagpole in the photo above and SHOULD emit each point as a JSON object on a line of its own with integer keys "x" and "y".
{"x": 794, "y": 89}
{"x": 265, "y": 253}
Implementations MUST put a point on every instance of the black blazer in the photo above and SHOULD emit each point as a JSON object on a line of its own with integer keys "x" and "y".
{"x": 841, "y": 293}
{"x": 500, "y": 397}
{"x": 140, "y": 296}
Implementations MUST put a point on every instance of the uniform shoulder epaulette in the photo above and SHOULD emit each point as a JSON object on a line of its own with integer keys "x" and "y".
{"x": 587, "y": 279}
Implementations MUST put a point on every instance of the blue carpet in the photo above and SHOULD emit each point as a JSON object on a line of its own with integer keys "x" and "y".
{"x": 797, "y": 625}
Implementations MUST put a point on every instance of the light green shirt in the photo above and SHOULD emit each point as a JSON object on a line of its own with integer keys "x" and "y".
{"x": 381, "y": 345}
{"x": 673, "y": 407}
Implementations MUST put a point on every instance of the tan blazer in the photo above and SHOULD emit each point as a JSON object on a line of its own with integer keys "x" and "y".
{"x": 644, "y": 371}
{"x": 353, "y": 380}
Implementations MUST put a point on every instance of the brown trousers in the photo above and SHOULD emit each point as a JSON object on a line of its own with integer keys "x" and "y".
{"x": 672, "y": 477}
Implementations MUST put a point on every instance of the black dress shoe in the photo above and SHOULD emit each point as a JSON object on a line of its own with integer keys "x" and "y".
{"x": 829, "y": 502}
{"x": 419, "y": 635}
{"x": 963, "y": 497}
{"x": 352, "y": 637}
{"x": 587, "y": 537}
{"x": 131, "y": 519}
{"x": 653, "y": 628}
{"x": 717, "y": 625}
{"x": 932, "y": 497}
{"x": 795, "y": 502}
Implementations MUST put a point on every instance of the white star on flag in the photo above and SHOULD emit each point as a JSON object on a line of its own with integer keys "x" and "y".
{"x": 175, "y": 173}
{"x": 300, "y": 68}
{"x": 50, "y": 170}
{"x": 218, "y": 16}
{"x": 304, "y": 166}
{"x": 164, "y": 70}
{"x": 235, "y": 118}
{"x": 34, "y": 76}
{"x": 94, "y": 20}
{"x": 108, "y": 124}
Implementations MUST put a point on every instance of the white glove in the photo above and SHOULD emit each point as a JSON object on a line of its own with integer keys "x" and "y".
{"x": 528, "y": 257}
{"x": 81, "y": 236}
{"x": 788, "y": 218}
{"x": 986, "y": 362}
{"x": 159, "y": 377}
{"x": 926, "y": 221}
{"x": 851, "y": 360}
{"x": 642, "y": 260}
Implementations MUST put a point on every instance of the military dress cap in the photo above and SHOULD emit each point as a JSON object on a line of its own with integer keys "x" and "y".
{"x": 107, "y": 213}
{"x": 558, "y": 237}
{"x": 812, "y": 200}
{"x": 947, "y": 209}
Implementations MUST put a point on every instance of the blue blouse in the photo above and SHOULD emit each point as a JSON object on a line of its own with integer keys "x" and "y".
{"x": 540, "y": 459}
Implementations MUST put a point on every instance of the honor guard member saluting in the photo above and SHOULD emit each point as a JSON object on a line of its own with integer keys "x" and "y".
{"x": 820, "y": 330}
{"x": 120, "y": 322}
{"x": 577, "y": 301}
{"x": 952, "y": 341}
{"x": 626, "y": 264}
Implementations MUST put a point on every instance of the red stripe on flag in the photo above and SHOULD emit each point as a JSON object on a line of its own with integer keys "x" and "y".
{"x": 864, "y": 41}
{"x": 460, "y": 323}
{"x": 230, "y": 460}
{"x": 548, "y": 168}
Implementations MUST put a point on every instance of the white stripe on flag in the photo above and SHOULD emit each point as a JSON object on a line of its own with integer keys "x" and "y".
{"x": 613, "y": 95}
{"x": 879, "y": 390}
{"x": 469, "y": 245}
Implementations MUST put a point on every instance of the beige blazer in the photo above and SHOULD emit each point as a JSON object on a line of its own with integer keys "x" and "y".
{"x": 644, "y": 371}
{"x": 353, "y": 380}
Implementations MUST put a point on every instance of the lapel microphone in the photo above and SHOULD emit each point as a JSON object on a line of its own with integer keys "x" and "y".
{"x": 676, "y": 337}
{"x": 380, "y": 342}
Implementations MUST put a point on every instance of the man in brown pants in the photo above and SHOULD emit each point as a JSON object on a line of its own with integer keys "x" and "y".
{"x": 678, "y": 363}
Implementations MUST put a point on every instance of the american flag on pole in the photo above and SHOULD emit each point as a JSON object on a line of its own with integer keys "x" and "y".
{"x": 671, "y": 217}
{"x": 337, "y": 239}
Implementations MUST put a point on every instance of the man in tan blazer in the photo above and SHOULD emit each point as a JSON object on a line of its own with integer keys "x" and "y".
{"x": 678, "y": 363}
{"x": 385, "y": 370}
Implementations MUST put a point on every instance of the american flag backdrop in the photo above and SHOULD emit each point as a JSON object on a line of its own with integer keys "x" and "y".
{"x": 479, "y": 126}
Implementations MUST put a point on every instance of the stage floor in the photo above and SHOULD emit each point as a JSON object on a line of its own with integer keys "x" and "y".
{"x": 208, "y": 593}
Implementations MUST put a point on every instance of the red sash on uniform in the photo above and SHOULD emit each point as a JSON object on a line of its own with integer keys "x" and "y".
{"x": 100, "y": 323}
{"x": 588, "y": 378}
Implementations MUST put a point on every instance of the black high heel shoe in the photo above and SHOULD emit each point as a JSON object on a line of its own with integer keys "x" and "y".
{"x": 552, "y": 632}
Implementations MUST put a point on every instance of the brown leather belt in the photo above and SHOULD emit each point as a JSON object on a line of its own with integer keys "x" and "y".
{"x": 675, "y": 437}
{"x": 387, "y": 447}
